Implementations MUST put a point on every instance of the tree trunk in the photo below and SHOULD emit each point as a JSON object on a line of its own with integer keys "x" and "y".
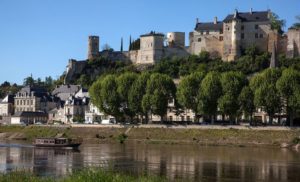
{"x": 251, "y": 120}
{"x": 291, "y": 120}
{"x": 212, "y": 119}
{"x": 270, "y": 119}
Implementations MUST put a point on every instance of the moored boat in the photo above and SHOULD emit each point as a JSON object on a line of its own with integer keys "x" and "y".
{"x": 57, "y": 142}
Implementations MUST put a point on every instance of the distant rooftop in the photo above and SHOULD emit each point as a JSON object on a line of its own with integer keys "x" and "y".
{"x": 209, "y": 26}
{"x": 253, "y": 16}
{"x": 152, "y": 33}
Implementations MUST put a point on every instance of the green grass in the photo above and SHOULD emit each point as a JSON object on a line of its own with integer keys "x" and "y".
{"x": 87, "y": 175}
{"x": 31, "y": 132}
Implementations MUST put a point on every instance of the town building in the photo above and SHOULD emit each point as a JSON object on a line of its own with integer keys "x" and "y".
{"x": 6, "y": 109}
{"x": 34, "y": 99}
{"x": 29, "y": 117}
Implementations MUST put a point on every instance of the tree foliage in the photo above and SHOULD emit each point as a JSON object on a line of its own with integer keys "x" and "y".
{"x": 188, "y": 90}
{"x": 209, "y": 93}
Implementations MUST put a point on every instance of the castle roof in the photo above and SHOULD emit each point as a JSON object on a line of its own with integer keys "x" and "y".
{"x": 254, "y": 16}
{"x": 152, "y": 33}
{"x": 209, "y": 26}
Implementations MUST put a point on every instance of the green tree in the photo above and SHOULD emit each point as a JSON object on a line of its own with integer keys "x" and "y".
{"x": 297, "y": 24}
{"x": 266, "y": 96}
{"x": 136, "y": 94}
{"x": 209, "y": 93}
{"x": 160, "y": 89}
{"x": 232, "y": 84}
{"x": 246, "y": 102}
{"x": 28, "y": 81}
{"x": 125, "y": 81}
{"x": 188, "y": 90}
{"x": 276, "y": 23}
{"x": 105, "y": 96}
{"x": 288, "y": 86}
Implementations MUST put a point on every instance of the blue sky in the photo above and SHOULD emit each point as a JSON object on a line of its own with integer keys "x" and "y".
{"x": 39, "y": 36}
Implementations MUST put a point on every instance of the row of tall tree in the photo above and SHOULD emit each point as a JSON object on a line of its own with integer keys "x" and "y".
{"x": 230, "y": 94}
{"x": 130, "y": 94}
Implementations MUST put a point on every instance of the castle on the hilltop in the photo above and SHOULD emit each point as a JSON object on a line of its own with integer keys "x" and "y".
{"x": 225, "y": 39}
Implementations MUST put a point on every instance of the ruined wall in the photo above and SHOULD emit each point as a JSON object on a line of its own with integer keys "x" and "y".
{"x": 201, "y": 41}
{"x": 293, "y": 43}
{"x": 74, "y": 67}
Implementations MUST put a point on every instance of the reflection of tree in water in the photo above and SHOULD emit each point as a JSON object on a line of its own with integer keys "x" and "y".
{"x": 58, "y": 162}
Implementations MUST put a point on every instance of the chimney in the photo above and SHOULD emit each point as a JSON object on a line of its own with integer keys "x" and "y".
{"x": 215, "y": 20}
{"x": 251, "y": 11}
{"x": 235, "y": 13}
{"x": 197, "y": 20}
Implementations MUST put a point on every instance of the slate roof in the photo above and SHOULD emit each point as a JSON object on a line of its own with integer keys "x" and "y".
{"x": 255, "y": 16}
{"x": 209, "y": 26}
{"x": 30, "y": 114}
{"x": 37, "y": 92}
{"x": 152, "y": 33}
{"x": 65, "y": 91}
{"x": 8, "y": 99}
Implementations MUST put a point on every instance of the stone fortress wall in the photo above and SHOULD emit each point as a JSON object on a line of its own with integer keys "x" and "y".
{"x": 224, "y": 39}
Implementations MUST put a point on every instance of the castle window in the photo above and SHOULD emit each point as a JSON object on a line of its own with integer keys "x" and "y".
{"x": 261, "y": 35}
{"x": 242, "y": 36}
{"x": 221, "y": 38}
{"x": 199, "y": 39}
{"x": 242, "y": 27}
{"x": 256, "y": 26}
{"x": 256, "y": 35}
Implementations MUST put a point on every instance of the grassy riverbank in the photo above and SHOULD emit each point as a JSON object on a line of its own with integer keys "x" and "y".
{"x": 228, "y": 136}
{"x": 95, "y": 175}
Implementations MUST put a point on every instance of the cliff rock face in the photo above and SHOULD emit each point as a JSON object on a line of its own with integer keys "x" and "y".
{"x": 74, "y": 68}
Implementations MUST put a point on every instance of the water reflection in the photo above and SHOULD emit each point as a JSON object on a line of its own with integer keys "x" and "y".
{"x": 196, "y": 163}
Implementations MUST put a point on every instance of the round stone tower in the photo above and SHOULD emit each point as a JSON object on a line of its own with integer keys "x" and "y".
{"x": 93, "y": 47}
{"x": 176, "y": 39}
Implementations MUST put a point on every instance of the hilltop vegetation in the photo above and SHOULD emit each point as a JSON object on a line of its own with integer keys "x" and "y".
{"x": 209, "y": 87}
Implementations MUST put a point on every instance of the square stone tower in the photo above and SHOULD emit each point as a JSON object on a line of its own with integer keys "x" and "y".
{"x": 151, "y": 49}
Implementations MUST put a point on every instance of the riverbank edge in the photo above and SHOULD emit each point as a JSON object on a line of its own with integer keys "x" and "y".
{"x": 87, "y": 174}
{"x": 208, "y": 136}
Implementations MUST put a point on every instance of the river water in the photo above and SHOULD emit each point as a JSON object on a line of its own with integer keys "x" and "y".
{"x": 181, "y": 162}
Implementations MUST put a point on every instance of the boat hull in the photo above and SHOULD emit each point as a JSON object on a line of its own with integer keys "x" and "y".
{"x": 57, "y": 145}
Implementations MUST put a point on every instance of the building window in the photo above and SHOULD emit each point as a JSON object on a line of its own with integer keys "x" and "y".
{"x": 221, "y": 38}
{"x": 242, "y": 27}
{"x": 256, "y": 26}
{"x": 201, "y": 32}
{"x": 17, "y": 102}
{"x": 207, "y": 32}
{"x": 199, "y": 39}
{"x": 27, "y": 102}
{"x": 171, "y": 118}
{"x": 242, "y": 36}
{"x": 261, "y": 36}
{"x": 256, "y": 35}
